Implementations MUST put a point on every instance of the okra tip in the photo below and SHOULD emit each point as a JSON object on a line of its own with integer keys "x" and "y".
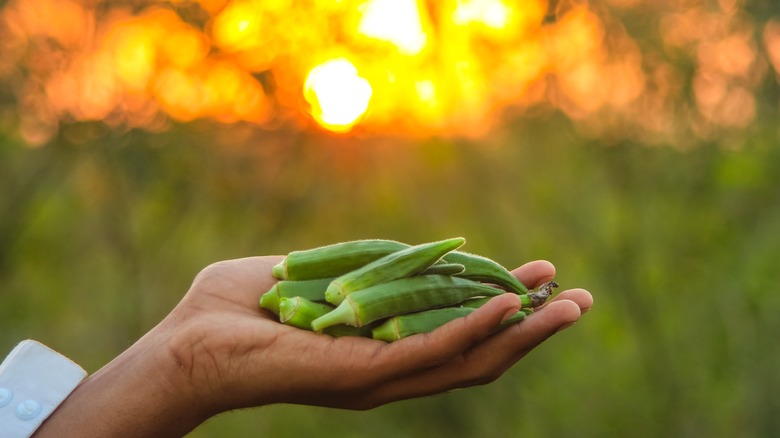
{"x": 342, "y": 314}
{"x": 387, "y": 331}
{"x": 287, "y": 308}
{"x": 455, "y": 242}
{"x": 334, "y": 293}
{"x": 279, "y": 271}
{"x": 270, "y": 300}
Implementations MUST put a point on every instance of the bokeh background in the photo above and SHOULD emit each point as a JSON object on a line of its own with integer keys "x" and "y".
{"x": 632, "y": 143}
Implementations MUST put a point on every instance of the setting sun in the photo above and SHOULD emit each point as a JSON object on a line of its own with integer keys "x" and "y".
{"x": 337, "y": 94}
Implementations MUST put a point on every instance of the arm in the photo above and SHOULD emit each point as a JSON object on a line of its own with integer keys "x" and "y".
{"x": 217, "y": 351}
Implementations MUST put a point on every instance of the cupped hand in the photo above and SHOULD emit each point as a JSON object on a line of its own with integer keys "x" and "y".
{"x": 233, "y": 354}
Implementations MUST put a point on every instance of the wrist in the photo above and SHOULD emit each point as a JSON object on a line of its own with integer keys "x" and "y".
{"x": 142, "y": 392}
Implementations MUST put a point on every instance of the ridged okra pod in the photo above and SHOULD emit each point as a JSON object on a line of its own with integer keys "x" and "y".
{"x": 401, "y": 326}
{"x": 300, "y": 312}
{"x": 517, "y": 317}
{"x": 406, "y": 295}
{"x": 486, "y": 270}
{"x": 526, "y": 302}
{"x": 444, "y": 269}
{"x": 313, "y": 290}
{"x": 333, "y": 260}
{"x": 406, "y": 262}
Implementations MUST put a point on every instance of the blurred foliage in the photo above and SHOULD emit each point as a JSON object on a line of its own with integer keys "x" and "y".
{"x": 677, "y": 235}
{"x": 103, "y": 231}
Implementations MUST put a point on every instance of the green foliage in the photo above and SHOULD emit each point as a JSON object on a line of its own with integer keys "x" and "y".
{"x": 101, "y": 238}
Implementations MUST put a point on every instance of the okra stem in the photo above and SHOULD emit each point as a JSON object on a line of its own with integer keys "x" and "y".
{"x": 541, "y": 295}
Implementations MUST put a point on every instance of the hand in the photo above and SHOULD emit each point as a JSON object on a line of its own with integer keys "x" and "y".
{"x": 218, "y": 351}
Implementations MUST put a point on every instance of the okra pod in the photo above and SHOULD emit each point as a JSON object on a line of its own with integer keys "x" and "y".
{"x": 313, "y": 290}
{"x": 300, "y": 312}
{"x": 483, "y": 269}
{"x": 526, "y": 302}
{"x": 401, "y": 326}
{"x": 406, "y": 295}
{"x": 400, "y": 264}
{"x": 444, "y": 269}
{"x": 333, "y": 260}
{"x": 475, "y": 302}
{"x": 517, "y": 317}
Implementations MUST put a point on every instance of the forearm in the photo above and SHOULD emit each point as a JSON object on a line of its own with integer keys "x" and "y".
{"x": 139, "y": 393}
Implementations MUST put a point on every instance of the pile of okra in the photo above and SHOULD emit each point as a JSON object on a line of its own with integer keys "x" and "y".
{"x": 388, "y": 290}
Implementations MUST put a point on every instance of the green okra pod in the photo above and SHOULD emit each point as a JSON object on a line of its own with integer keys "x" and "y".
{"x": 526, "y": 301}
{"x": 333, "y": 260}
{"x": 483, "y": 269}
{"x": 475, "y": 302}
{"x": 313, "y": 290}
{"x": 444, "y": 269}
{"x": 401, "y": 326}
{"x": 406, "y": 262}
{"x": 517, "y": 317}
{"x": 300, "y": 312}
{"x": 406, "y": 295}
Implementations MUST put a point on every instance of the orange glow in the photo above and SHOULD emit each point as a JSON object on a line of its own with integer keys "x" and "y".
{"x": 404, "y": 67}
{"x": 337, "y": 95}
{"x": 238, "y": 26}
{"x": 491, "y": 13}
{"x": 134, "y": 55}
{"x": 426, "y": 91}
{"x": 395, "y": 21}
{"x": 772, "y": 42}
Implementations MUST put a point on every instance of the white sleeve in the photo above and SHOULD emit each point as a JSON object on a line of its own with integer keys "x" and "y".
{"x": 34, "y": 380}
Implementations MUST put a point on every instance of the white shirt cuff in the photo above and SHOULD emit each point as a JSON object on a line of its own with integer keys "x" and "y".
{"x": 34, "y": 380}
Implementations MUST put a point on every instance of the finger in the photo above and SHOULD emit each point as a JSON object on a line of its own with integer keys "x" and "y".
{"x": 535, "y": 273}
{"x": 430, "y": 350}
{"x": 582, "y": 297}
{"x": 485, "y": 362}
